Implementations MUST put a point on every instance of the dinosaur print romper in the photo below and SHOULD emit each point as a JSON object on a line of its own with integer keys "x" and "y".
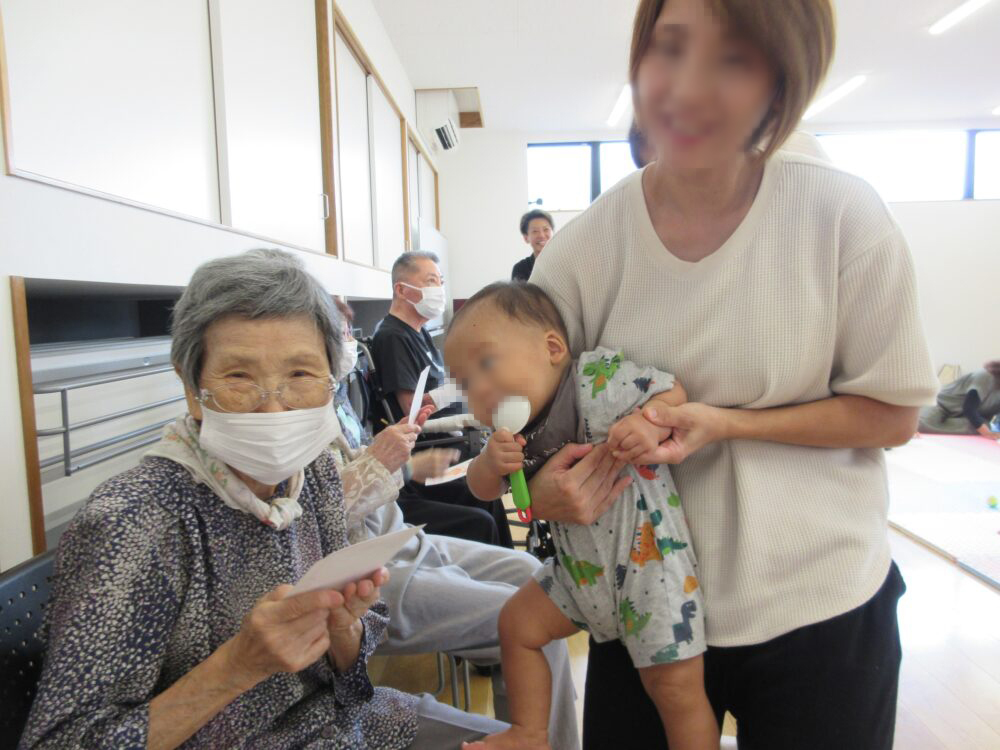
{"x": 631, "y": 575}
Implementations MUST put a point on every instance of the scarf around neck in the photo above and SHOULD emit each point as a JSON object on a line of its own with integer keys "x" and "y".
{"x": 181, "y": 445}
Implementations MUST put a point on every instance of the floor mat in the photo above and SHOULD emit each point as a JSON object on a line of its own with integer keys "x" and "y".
{"x": 941, "y": 489}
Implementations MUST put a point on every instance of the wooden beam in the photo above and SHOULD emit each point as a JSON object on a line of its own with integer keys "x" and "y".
{"x": 327, "y": 120}
{"x": 407, "y": 240}
{"x": 6, "y": 126}
{"x": 22, "y": 353}
{"x": 470, "y": 119}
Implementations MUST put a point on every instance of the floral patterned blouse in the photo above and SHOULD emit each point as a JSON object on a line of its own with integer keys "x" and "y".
{"x": 152, "y": 576}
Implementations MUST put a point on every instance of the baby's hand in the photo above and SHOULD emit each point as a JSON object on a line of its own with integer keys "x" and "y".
{"x": 504, "y": 453}
{"x": 633, "y": 439}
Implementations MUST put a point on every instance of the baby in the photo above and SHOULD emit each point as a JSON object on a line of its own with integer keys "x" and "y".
{"x": 631, "y": 574}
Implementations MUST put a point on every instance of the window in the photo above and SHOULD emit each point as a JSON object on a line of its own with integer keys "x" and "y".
{"x": 559, "y": 176}
{"x": 905, "y": 165}
{"x": 987, "y": 165}
{"x": 616, "y": 163}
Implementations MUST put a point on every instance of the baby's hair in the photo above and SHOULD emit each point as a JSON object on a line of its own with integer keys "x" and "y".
{"x": 522, "y": 301}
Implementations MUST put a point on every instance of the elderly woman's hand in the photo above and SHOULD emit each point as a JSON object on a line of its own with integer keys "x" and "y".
{"x": 578, "y": 484}
{"x": 392, "y": 446}
{"x": 344, "y": 622}
{"x": 281, "y": 634}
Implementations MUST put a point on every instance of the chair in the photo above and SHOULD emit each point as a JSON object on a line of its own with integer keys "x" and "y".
{"x": 24, "y": 593}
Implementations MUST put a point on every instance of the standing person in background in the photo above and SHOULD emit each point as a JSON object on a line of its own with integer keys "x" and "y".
{"x": 537, "y": 227}
{"x": 966, "y": 406}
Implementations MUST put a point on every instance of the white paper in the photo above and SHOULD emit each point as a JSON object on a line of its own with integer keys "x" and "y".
{"x": 418, "y": 396}
{"x": 454, "y": 472}
{"x": 354, "y": 563}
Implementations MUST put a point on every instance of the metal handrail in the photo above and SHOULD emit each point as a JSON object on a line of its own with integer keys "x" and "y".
{"x": 108, "y": 417}
{"x": 64, "y": 386}
{"x": 71, "y": 384}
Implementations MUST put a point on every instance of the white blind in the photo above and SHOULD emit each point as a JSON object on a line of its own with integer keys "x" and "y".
{"x": 355, "y": 164}
{"x": 387, "y": 147}
{"x": 268, "y": 91}
{"x": 115, "y": 96}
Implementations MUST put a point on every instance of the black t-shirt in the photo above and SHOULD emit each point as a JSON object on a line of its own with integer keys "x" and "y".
{"x": 400, "y": 355}
{"x": 522, "y": 269}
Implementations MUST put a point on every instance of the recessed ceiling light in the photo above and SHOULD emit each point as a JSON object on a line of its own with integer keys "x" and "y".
{"x": 997, "y": 111}
{"x": 834, "y": 96}
{"x": 960, "y": 13}
{"x": 623, "y": 103}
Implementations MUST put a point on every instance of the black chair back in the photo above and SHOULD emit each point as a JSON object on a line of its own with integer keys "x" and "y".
{"x": 24, "y": 593}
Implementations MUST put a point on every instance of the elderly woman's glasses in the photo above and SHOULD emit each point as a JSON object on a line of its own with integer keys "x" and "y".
{"x": 300, "y": 393}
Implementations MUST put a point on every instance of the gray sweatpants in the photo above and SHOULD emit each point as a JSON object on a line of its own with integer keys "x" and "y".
{"x": 445, "y": 594}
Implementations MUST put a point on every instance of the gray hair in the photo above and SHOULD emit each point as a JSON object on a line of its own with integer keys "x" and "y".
{"x": 261, "y": 283}
{"x": 406, "y": 263}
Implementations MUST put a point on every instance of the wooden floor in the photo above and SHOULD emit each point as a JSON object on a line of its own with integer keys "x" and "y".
{"x": 949, "y": 692}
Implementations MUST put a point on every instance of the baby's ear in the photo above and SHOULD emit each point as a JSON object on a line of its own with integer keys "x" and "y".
{"x": 556, "y": 346}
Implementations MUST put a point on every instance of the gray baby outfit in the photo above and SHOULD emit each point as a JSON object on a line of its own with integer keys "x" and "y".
{"x": 631, "y": 575}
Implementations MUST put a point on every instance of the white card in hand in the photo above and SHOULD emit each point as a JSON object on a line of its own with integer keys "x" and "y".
{"x": 354, "y": 563}
{"x": 418, "y": 396}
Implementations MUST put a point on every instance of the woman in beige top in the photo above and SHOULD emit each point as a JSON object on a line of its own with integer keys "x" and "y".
{"x": 780, "y": 291}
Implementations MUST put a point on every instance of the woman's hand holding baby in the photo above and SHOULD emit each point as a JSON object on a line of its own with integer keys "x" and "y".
{"x": 504, "y": 453}
{"x": 636, "y": 440}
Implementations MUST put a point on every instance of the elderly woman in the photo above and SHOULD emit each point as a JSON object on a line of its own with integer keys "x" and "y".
{"x": 172, "y": 620}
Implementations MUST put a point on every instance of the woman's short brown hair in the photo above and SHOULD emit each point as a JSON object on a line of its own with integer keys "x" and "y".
{"x": 796, "y": 36}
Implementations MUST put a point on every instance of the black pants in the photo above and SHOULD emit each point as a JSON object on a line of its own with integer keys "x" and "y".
{"x": 828, "y": 686}
{"x": 451, "y": 509}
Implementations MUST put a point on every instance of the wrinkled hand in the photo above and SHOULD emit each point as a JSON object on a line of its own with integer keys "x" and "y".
{"x": 432, "y": 463}
{"x": 281, "y": 634}
{"x": 354, "y": 601}
{"x": 578, "y": 484}
{"x": 504, "y": 453}
{"x": 693, "y": 427}
{"x": 634, "y": 439}
{"x": 344, "y": 622}
{"x": 392, "y": 447}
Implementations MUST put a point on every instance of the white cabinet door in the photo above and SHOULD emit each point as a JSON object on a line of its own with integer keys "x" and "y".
{"x": 267, "y": 86}
{"x": 115, "y": 96}
{"x": 387, "y": 154}
{"x": 354, "y": 156}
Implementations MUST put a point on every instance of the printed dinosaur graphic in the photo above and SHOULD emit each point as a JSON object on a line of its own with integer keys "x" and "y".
{"x": 600, "y": 371}
{"x": 682, "y": 634}
{"x": 669, "y": 545}
{"x": 583, "y": 573}
{"x": 620, "y": 572}
{"x": 648, "y": 472}
{"x": 632, "y": 620}
{"x": 643, "y": 384}
{"x": 645, "y": 547}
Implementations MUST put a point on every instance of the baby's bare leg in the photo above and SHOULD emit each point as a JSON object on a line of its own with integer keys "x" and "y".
{"x": 678, "y": 690}
{"x": 528, "y": 621}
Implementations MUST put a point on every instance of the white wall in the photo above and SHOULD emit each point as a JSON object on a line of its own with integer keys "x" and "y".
{"x": 956, "y": 251}
{"x": 50, "y": 232}
{"x": 955, "y": 245}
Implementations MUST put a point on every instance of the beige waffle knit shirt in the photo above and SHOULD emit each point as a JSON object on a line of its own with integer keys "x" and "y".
{"x": 812, "y": 296}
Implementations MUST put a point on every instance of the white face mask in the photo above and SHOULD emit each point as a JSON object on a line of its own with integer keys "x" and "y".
{"x": 432, "y": 301}
{"x": 269, "y": 446}
{"x": 348, "y": 359}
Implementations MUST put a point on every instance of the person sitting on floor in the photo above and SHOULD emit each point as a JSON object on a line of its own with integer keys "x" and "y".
{"x": 967, "y": 405}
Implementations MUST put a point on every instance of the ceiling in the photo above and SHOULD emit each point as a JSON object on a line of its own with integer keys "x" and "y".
{"x": 559, "y": 65}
